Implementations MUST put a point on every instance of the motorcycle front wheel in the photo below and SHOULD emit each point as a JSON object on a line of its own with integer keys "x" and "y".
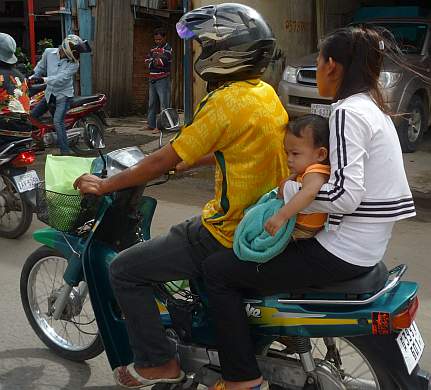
{"x": 74, "y": 336}
{"x": 15, "y": 213}
{"x": 348, "y": 368}
{"x": 93, "y": 130}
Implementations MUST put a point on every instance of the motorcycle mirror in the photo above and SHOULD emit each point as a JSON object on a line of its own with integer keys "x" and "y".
{"x": 94, "y": 138}
{"x": 168, "y": 122}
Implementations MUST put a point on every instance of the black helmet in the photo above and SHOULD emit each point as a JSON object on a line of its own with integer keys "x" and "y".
{"x": 237, "y": 44}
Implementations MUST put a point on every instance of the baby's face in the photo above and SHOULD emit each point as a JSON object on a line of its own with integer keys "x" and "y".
{"x": 301, "y": 152}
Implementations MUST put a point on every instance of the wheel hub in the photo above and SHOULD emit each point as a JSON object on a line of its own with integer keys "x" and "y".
{"x": 73, "y": 305}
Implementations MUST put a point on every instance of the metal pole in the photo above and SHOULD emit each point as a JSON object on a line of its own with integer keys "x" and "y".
{"x": 188, "y": 74}
{"x": 32, "y": 35}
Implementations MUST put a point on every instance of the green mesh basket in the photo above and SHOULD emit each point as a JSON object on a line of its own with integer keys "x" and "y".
{"x": 63, "y": 212}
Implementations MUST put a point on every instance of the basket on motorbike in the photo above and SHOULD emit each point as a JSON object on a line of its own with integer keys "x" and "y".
{"x": 63, "y": 212}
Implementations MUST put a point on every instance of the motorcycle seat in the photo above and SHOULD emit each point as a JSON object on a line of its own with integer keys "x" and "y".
{"x": 80, "y": 100}
{"x": 367, "y": 283}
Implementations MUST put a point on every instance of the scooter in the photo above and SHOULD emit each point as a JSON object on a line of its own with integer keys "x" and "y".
{"x": 357, "y": 334}
{"x": 17, "y": 185}
{"x": 84, "y": 120}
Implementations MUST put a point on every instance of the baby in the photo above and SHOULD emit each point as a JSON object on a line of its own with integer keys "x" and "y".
{"x": 307, "y": 146}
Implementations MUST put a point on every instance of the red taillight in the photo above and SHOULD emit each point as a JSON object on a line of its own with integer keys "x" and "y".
{"x": 404, "y": 319}
{"x": 23, "y": 159}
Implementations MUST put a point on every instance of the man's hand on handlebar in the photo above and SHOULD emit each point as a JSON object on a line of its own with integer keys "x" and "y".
{"x": 89, "y": 184}
{"x": 36, "y": 80}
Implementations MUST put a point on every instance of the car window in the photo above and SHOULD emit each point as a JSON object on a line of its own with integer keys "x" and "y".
{"x": 410, "y": 37}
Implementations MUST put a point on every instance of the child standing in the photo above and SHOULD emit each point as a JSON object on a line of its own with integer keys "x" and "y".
{"x": 307, "y": 146}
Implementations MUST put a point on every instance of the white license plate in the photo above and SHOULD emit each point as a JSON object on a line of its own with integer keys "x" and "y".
{"x": 321, "y": 109}
{"x": 27, "y": 181}
{"x": 411, "y": 346}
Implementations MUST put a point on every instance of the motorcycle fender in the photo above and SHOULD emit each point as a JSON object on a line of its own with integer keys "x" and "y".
{"x": 30, "y": 198}
{"x": 54, "y": 239}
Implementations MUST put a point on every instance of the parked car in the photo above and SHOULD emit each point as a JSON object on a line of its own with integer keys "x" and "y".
{"x": 407, "y": 94}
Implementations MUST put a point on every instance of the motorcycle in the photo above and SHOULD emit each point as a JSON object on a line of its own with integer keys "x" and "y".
{"x": 17, "y": 184}
{"x": 84, "y": 121}
{"x": 358, "y": 334}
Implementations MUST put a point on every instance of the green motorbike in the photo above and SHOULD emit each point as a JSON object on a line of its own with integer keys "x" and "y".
{"x": 358, "y": 334}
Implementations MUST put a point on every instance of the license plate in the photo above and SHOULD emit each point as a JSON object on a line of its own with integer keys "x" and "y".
{"x": 27, "y": 181}
{"x": 321, "y": 109}
{"x": 411, "y": 345}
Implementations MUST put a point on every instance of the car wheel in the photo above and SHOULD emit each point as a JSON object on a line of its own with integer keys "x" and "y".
{"x": 413, "y": 126}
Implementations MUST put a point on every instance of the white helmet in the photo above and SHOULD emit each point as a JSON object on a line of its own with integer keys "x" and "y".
{"x": 73, "y": 46}
{"x": 7, "y": 49}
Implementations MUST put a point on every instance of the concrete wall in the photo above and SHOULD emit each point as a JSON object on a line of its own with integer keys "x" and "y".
{"x": 293, "y": 24}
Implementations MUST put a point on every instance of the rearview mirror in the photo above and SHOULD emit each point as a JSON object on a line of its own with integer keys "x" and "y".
{"x": 169, "y": 120}
{"x": 93, "y": 137}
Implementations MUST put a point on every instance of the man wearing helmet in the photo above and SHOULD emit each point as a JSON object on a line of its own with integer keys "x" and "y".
{"x": 14, "y": 100}
{"x": 56, "y": 68}
{"x": 239, "y": 127}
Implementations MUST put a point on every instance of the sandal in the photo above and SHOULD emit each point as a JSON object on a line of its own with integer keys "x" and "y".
{"x": 143, "y": 382}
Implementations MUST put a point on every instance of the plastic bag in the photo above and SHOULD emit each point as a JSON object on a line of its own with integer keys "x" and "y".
{"x": 62, "y": 171}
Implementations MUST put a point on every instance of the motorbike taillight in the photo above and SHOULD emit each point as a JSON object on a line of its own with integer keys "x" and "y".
{"x": 23, "y": 159}
{"x": 404, "y": 319}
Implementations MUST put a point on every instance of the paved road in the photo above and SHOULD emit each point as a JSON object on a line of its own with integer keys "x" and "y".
{"x": 26, "y": 364}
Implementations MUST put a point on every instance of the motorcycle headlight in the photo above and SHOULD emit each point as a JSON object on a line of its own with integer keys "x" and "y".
{"x": 389, "y": 79}
{"x": 289, "y": 74}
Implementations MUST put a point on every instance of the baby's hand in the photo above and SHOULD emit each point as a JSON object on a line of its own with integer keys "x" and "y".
{"x": 273, "y": 225}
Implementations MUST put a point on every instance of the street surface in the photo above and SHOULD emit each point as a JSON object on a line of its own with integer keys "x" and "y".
{"x": 26, "y": 364}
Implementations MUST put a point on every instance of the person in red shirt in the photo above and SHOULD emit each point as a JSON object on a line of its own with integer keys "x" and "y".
{"x": 158, "y": 61}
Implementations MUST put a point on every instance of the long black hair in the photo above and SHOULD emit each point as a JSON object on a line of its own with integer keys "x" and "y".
{"x": 361, "y": 50}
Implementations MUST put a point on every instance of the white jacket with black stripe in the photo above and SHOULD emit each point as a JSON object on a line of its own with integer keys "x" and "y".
{"x": 368, "y": 183}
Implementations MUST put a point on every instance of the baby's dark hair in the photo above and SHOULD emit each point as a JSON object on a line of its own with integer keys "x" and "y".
{"x": 318, "y": 125}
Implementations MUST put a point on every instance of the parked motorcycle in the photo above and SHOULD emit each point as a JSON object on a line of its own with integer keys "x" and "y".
{"x": 17, "y": 183}
{"x": 84, "y": 121}
{"x": 358, "y": 334}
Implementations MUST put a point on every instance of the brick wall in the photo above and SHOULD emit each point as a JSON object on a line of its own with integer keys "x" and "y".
{"x": 142, "y": 44}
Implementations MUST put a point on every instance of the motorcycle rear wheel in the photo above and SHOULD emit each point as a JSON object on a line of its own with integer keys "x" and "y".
{"x": 356, "y": 372}
{"x": 81, "y": 146}
{"x": 66, "y": 337}
{"x": 13, "y": 207}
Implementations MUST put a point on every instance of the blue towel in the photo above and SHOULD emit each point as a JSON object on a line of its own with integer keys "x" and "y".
{"x": 251, "y": 241}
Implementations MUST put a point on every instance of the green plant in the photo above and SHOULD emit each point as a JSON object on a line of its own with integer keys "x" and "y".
{"x": 44, "y": 44}
{"x": 23, "y": 64}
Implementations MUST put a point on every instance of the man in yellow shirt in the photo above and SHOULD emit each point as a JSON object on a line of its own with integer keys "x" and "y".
{"x": 240, "y": 128}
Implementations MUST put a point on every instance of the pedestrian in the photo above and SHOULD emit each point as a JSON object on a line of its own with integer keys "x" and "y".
{"x": 158, "y": 61}
{"x": 57, "y": 68}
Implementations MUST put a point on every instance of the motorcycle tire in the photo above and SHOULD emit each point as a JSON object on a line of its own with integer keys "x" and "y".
{"x": 81, "y": 148}
{"x": 26, "y": 214}
{"x": 381, "y": 376}
{"x": 78, "y": 355}
{"x": 383, "y": 355}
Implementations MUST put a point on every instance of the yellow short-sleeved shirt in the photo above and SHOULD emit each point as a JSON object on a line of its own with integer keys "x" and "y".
{"x": 243, "y": 124}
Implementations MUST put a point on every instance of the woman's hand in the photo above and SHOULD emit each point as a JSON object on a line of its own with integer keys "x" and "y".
{"x": 89, "y": 184}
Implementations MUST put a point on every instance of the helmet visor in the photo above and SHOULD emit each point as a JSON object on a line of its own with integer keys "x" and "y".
{"x": 184, "y": 32}
{"x": 83, "y": 47}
